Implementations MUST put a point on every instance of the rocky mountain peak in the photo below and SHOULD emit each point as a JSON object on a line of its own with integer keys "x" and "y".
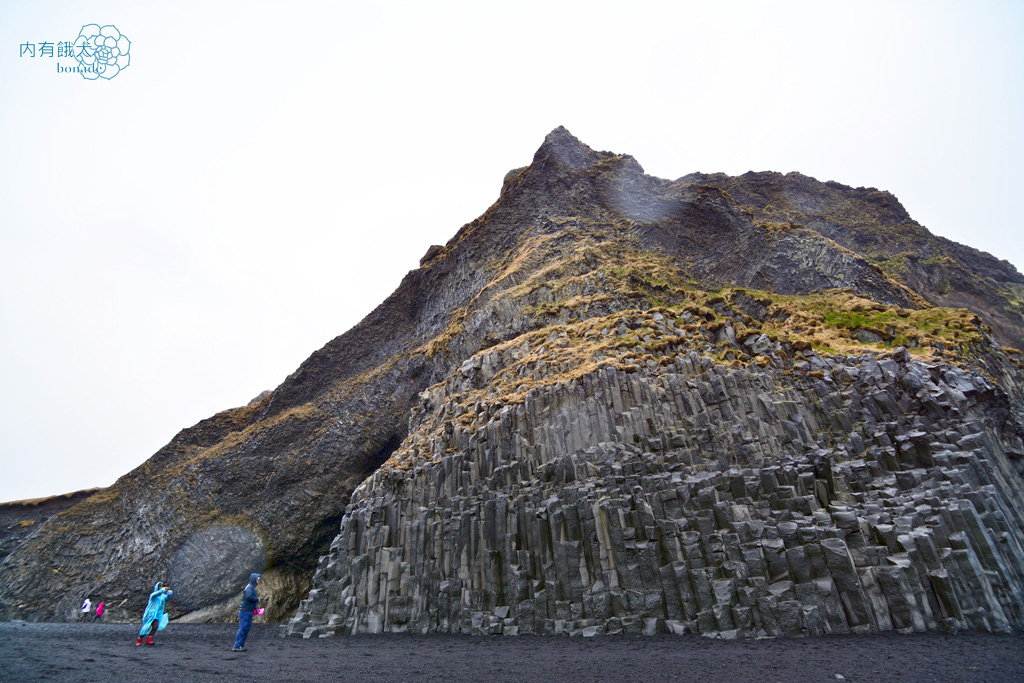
{"x": 563, "y": 150}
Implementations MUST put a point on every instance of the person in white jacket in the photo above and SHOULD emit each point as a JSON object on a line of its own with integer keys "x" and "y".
{"x": 86, "y": 608}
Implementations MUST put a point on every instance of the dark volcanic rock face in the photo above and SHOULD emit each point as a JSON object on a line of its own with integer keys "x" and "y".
{"x": 683, "y": 495}
{"x": 874, "y": 224}
{"x": 607, "y": 341}
{"x": 19, "y": 518}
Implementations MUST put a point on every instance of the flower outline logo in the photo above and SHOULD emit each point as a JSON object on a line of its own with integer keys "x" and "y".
{"x": 102, "y": 51}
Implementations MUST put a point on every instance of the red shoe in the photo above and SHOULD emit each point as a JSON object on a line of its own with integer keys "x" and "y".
{"x": 149, "y": 640}
{"x": 139, "y": 641}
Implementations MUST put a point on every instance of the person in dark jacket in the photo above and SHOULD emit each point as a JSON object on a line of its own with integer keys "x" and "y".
{"x": 250, "y": 602}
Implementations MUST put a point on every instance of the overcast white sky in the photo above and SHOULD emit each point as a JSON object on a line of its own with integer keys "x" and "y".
{"x": 178, "y": 239}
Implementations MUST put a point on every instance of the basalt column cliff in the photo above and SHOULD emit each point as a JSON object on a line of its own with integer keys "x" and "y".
{"x": 613, "y": 403}
{"x": 693, "y": 417}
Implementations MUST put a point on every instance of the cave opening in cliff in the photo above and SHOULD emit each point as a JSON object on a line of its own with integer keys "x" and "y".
{"x": 375, "y": 458}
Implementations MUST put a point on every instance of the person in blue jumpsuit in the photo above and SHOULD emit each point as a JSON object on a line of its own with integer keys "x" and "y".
{"x": 154, "y": 619}
{"x": 250, "y": 601}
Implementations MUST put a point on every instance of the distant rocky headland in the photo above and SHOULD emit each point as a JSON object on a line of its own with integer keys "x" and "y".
{"x": 752, "y": 405}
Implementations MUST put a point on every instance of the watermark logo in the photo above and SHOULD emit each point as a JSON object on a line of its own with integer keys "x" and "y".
{"x": 101, "y": 52}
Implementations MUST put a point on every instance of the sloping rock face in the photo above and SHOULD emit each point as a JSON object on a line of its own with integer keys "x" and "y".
{"x": 581, "y": 244}
{"x": 18, "y": 518}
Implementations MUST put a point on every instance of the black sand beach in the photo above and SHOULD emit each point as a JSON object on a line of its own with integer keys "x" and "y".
{"x": 185, "y": 653}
